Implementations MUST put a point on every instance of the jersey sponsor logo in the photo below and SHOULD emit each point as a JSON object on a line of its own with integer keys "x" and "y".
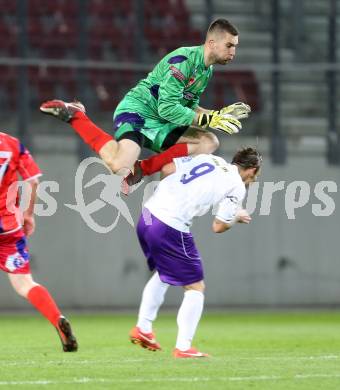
{"x": 177, "y": 73}
{"x": 16, "y": 261}
{"x": 109, "y": 196}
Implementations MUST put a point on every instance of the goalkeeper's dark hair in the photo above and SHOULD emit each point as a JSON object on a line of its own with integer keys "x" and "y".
{"x": 247, "y": 157}
{"x": 222, "y": 25}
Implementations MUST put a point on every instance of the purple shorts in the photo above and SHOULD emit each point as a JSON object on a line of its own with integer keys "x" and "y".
{"x": 171, "y": 252}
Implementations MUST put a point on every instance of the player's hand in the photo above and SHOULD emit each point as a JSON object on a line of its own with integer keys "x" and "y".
{"x": 223, "y": 122}
{"x": 29, "y": 225}
{"x": 239, "y": 110}
{"x": 242, "y": 216}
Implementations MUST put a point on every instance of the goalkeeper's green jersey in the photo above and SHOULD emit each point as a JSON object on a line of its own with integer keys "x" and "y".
{"x": 175, "y": 86}
{"x": 166, "y": 99}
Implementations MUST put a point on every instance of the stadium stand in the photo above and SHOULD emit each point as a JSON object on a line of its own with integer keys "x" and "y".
{"x": 52, "y": 31}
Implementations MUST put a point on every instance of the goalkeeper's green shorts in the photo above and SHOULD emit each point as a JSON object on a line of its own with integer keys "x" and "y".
{"x": 131, "y": 118}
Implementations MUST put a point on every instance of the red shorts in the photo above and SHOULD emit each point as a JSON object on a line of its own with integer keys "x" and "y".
{"x": 14, "y": 255}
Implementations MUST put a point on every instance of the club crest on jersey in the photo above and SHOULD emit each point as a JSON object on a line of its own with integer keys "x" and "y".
{"x": 177, "y": 73}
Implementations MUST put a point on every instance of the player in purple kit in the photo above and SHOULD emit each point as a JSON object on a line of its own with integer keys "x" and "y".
{"x": 191, "y": 187}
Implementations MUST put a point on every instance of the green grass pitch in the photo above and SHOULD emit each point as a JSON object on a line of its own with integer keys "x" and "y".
{"x": 249, "y": 351}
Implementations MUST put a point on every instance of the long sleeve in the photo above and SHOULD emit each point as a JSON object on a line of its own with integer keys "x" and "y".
{"x": 171, "y": 94}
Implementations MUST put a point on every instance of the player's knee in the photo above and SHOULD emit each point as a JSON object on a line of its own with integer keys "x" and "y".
{"x": 22, "y": 290}
{"x": 212, "y": 142}
{"x": 116, "y": 166}
{"x": 22, "y": 283}
{"x": 202, "y": 287}
{"x": 209, "y": 143}
{"x": 198, "y": 286}
{"x": 110, "y": 159}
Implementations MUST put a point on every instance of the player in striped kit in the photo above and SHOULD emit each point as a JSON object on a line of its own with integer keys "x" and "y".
{"x": 192, "y": 187}
{"x": 15, "y": 226}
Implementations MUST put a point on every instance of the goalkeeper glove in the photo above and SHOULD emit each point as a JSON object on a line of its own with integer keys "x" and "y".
{"x": 239, "y": 110}
{"x": 223, "y": 122}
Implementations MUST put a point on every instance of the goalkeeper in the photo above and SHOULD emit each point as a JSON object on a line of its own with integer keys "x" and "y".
{"x": 162, "y": 112}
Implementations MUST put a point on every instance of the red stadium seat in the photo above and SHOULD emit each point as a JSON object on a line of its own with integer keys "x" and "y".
{"x": 66, "y": 8}
{"x": 60, "y": 40}
{"x": 8, "y": 39}
{"x": 168, "y": 26}
{"x": 48, "y": 80}
{"x": 8, "y": 7}
{"x": 35, "y": 33}
{"x": 8, "y": 82}
{"x": 106, "y": 87}
{"x": 101, "y": 8}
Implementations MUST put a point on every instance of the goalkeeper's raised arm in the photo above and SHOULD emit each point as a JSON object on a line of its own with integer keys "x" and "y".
{"x": 226, "y": 119}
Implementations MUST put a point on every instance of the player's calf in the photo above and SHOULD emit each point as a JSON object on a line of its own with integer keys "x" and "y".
{"x": 208, "y": 143}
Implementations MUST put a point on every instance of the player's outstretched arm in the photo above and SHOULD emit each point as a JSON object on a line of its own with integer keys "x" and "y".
{"x": 226, "y": 119}
{"x": 220, "y": 227}
{"x": 214, "y": 120}
{"x": 239, "y": 110}
{"x": 241, "y": 216}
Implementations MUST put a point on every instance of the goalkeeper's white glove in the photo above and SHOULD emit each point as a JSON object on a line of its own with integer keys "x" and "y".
{"x": 223, "y": 122}
{"x": 239, "y": 110}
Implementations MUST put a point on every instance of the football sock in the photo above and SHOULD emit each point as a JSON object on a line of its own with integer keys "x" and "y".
{"x": 188, "y": 318}
{"x": 41, "y": 299}
{"x": 91, "y": 134}
{"x": 155, "y": 163}
{"x": 153, "y": 297}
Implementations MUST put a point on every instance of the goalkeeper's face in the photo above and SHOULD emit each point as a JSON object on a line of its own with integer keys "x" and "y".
{"x": 224, "y": 47}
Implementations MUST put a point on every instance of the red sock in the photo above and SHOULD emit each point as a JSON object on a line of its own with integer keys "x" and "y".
{"x": 155, "y": 163}
{"x": 41, "y": 299}
{"x": 91, "y": 134}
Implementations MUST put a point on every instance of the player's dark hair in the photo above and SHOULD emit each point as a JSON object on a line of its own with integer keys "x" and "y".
{"x": 247, "y": 157}
{"x": 222, "y": 25}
